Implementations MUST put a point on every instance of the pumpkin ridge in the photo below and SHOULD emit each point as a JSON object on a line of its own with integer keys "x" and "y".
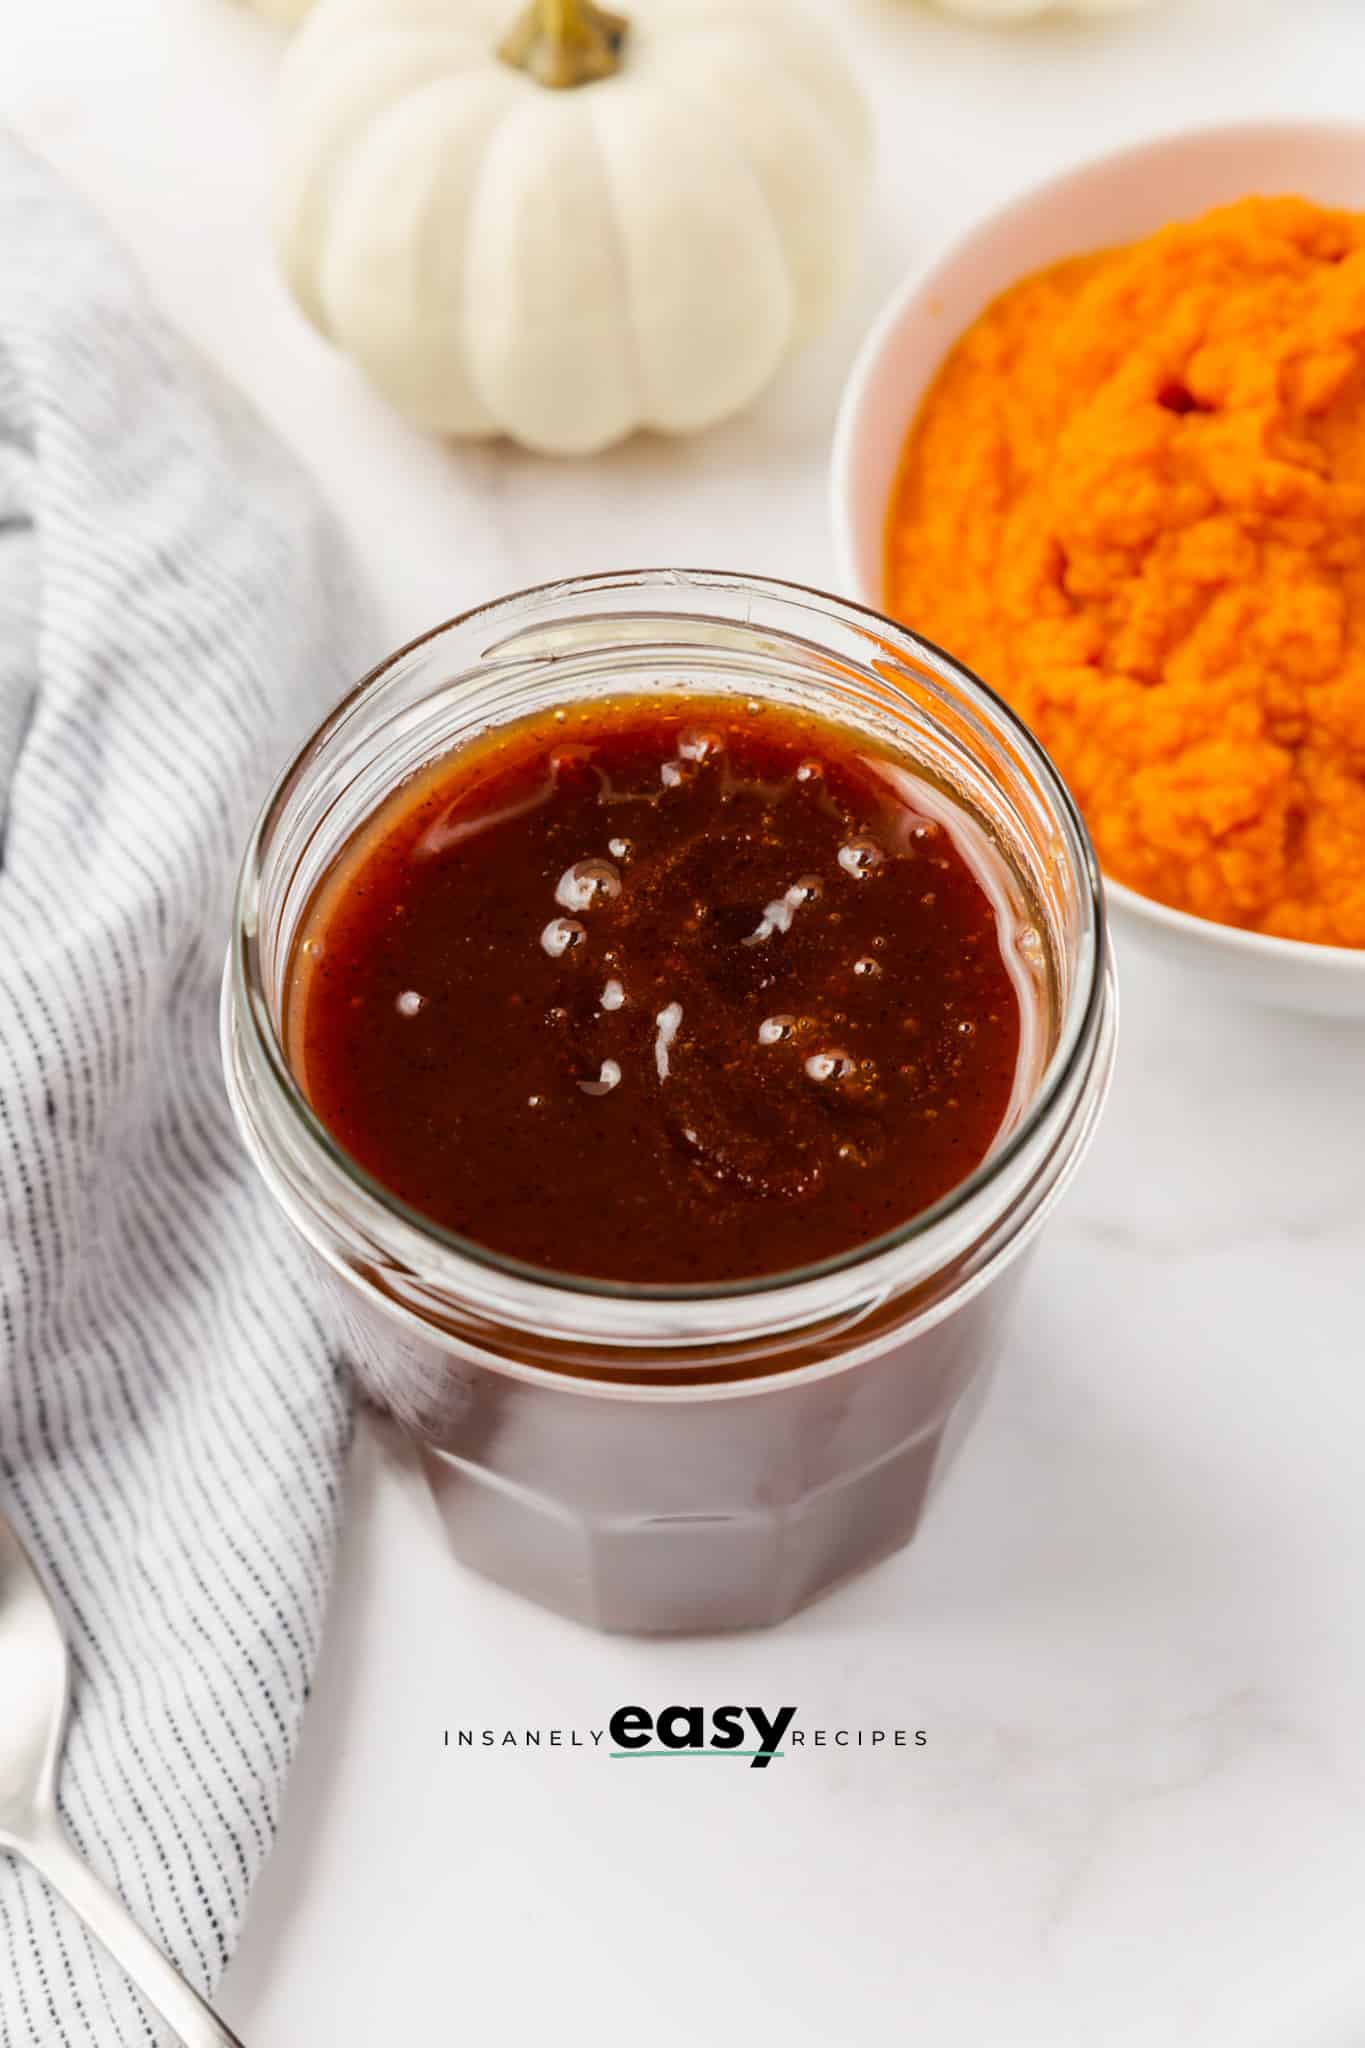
{"x": 382, "y": 149}
{"x": 714, "y": 119}
{"x": 319, "y": 173}
{"x": 807, "y": 55}
{"x": 806, "y": 311}
{"x": 659, "y": 86}
{"x": 602, "y": 389}
{"x": 622, "y": 260}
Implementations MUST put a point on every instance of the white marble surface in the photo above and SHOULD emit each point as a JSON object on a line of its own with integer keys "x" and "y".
{"x": 1133, "y": 1628}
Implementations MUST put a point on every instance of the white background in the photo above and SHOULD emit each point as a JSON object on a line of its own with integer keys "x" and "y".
{"x": 1133, "y": 1627}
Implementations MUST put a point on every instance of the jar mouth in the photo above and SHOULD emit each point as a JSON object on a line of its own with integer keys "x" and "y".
{"x": 248, "y": 1006}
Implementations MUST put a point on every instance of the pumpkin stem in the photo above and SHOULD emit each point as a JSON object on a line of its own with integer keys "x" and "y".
{"x": 561, "y": 43}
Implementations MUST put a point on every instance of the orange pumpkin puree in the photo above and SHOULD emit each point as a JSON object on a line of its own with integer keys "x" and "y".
{"x": 1134, "y": 501}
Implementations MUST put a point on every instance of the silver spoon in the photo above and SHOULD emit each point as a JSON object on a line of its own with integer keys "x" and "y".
{"x": 33, "y": 1697}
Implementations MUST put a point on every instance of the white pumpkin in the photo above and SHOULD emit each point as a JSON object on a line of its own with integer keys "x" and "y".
{"x": 642, "y": 247}
{"x": 284, "y": 13}
{"x": 1031, "y": 10}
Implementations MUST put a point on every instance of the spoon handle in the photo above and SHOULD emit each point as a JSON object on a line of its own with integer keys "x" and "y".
{"x": 142, "y": 1962}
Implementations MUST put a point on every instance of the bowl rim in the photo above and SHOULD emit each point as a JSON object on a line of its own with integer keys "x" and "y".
{"x": 1265, "y": 949}
{"x": 923, "y": 278}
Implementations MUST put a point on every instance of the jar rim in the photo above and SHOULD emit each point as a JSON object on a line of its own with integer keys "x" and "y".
{"x": 1078, "y": 1024}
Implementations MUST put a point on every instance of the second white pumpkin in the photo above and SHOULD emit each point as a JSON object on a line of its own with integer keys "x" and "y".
{"x": 567, "y": 265}
{"x": 284, "y": 13}
{"x": 1033, "y": 10}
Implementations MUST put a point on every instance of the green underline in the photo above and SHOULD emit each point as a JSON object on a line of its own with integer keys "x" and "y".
{"x": 698, "y": 1752}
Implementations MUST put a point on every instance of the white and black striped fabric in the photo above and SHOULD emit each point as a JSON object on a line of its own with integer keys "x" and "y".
{"x": 173, "y": 1406}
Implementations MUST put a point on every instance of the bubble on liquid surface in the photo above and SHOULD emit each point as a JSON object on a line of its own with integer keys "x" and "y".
{"x": 608, "y": 1077}
{"x": 409, "y": 1003}
{"x": 867, "y": 1148}
{"x": 587, "y": 885}
{"x": 1030, "y": 944}
{"x": 571, "y": 766}
{"x": 810, "y": 771}
{"x": 613, "y": 995}
{"x": 867, "y": 965}
{"x": 829, "y": 1066}
{"x": 860, "y": 857}
{"x": 619, "y": 849}
{"x": 312, "y": 947}
{"x": 561, "y": 935}
{"x": 667, "y": 1021}
{"x": 700, "y": 746}
{"x": 778, "y": 915}
{"x": 773, "y": 1030}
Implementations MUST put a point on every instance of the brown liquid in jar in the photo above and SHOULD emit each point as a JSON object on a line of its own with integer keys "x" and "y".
{"x": 664, "y": 989}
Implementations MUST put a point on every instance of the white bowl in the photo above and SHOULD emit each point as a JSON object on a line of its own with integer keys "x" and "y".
{"x": 1116, "y": 198}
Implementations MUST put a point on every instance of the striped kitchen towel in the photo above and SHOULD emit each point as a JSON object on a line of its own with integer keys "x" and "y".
{"x": 173, "y": 1406}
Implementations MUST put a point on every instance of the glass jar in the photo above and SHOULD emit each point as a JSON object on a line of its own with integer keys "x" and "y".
{"x": 677, "y": 1458}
